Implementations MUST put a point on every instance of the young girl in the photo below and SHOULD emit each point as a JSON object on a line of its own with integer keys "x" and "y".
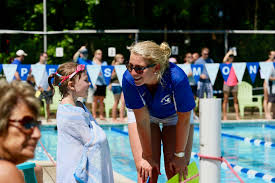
{"x": 83, "y": 153}
{"x": 117, "y": 90}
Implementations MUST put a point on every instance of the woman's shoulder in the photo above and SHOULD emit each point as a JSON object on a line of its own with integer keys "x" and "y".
{"x": 177, "y": 74}
{"x": 9, "y": 173}
{"x": 69, "y": 112}
{"x": 128, "y": 77}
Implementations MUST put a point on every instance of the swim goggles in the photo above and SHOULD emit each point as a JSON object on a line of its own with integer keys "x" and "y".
{"x": 79, "y": 68}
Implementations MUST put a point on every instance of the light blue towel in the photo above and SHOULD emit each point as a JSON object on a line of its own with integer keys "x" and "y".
{"x": 83, "y": 153}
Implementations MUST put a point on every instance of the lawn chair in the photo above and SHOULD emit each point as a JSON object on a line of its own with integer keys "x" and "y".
{"x": 56, "y": 100}
{"x": 28, "y": 170}
{"x": 245, "y": 98}
{"x": 109, "y": 102}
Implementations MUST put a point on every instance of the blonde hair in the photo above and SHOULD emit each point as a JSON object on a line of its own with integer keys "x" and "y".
{"x": 153, "y": 54}
{"x": 116, "y": 58}
{"x": 64, "y": 70}
{"x": 11, "y": 93}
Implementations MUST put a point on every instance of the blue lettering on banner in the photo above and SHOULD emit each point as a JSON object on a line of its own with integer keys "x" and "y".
{"x": 196, "y": 70}
{"x": 225, "y": 70}
{"x": 107, "y": 73}
{"x": 23, "y": 70}
{"x": 252, "y": 68}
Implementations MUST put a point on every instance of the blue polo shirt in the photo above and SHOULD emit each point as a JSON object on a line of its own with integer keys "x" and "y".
{"x": 84, "y": 61}
{"x": 174, "y": 94}
{"x": 17, "y": 62}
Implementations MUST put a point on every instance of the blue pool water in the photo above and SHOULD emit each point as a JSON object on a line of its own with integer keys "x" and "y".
{"x": 258, "y": 158}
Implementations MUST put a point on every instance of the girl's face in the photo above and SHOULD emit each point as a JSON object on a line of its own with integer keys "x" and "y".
{"x": 147, "y": 76}
{"x": 82, "y": 85}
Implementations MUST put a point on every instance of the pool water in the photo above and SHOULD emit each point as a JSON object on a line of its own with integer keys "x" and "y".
{"x": 258, "y": 158}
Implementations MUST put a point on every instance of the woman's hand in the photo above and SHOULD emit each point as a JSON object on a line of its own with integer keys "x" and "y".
{"x": 179, "y": 165}
{"x": 145, "y": 168}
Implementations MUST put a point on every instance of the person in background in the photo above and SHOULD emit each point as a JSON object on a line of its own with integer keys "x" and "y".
{"x": 195, "y": 56}
{"x": 100, "y": 88}
{"x": 18, "y": 60}
{"x": 271, "y": 96}
{"x": 19, "y": 129}
{"x": 271, "y": 58}
{"x": 173, "y": 60}
{"x": 230, "y": 86}
{"x": 43, "y": 86}
{"x": 188, "y": 60}
{"x": 158, "y": 91}
{"x": 117, "y": 90}
{"x": 81, "y": 57}
{"x": 204, "y": 84}
{"x": 83, "y": 153}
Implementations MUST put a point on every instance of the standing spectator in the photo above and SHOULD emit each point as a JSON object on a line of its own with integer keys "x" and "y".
{"x": 271, "y": 95}
{"x": 81, "y": 57}
{"x": 271, "y": 58}
{"x": 100, "y": 90}
{"x": 173, "y": 60}
{"x": 188, "y": 61}
{"x": 18, "y": 60}
{"x": 204, "y": 84}
{"x": 195, "y": 56}
{"x": 230, "y": 86}
{"x": 43, "y": 86}
{"x": 117, "y": 90}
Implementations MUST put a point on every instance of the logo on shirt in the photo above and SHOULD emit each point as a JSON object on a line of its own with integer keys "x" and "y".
{"x": 166, "y": 100}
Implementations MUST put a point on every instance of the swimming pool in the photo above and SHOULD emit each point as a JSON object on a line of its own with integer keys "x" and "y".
{"x": 258, "y": 158}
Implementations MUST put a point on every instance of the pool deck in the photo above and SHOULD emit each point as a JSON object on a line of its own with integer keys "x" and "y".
{"x": 49, "y": 170}
{"x": 49, "y": 174}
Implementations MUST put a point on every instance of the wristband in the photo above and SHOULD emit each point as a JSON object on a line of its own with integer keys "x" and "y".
{"x": 180, "y": 154}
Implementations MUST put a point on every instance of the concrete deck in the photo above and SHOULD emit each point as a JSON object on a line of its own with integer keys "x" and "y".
{"x": 49, "y": 175}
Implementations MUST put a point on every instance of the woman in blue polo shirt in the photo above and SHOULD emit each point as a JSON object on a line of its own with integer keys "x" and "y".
{"x": 158, "y": 92}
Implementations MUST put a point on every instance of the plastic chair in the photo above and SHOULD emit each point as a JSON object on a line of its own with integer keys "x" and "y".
{"x": 55, "y": 101}
{"x": 109, "y": 102}
{"x": 245, "y": 98}
{"x": 28, "y": 170}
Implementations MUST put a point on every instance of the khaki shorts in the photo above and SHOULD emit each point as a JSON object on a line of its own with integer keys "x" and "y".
{"x": 228, "y": 89}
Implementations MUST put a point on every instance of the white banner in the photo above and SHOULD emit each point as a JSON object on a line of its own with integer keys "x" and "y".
{"x": 38, "y": 71}
{"x": 239, "y": 69}
{"x": 9, "y": 71}
{"x": 212, "y": 70}
{"x": 185, "y": 67}
{"x": 93, "y": 71}
{"x": 120, "y": 69}
{"x": 266, "y": 69}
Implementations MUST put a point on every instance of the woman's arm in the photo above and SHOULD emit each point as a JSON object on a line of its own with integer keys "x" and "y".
{"x": 144, "y": 131}
{"x": 182, "y": 130}
{"x": 135, "y": 143}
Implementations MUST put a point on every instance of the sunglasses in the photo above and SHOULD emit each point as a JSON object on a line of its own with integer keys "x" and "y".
{"x": 138, "y": 69}
{"x": 28, "y": 123}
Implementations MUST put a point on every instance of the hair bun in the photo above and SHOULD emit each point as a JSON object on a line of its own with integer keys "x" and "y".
{"x": 166, "y": 49}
